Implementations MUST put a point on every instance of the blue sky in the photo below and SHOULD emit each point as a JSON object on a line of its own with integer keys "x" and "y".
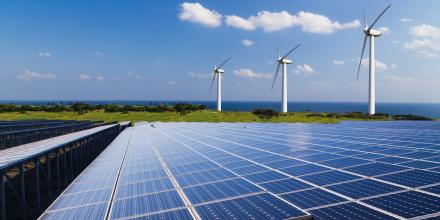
{"x": 165, "y": 50}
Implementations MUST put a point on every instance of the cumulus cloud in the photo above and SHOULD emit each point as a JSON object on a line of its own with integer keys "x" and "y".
{"x": 247, "y": 73}
{"x": 405, "y": 19}
{"x": 247, "y": 42}
{"x": 44, "y": 54}
{"x": 100, "y": 78}
{"x": 426, "y": 41}
{"x": 239, "y": 22}
{"x": 276, "y": 21}
{"x": 84, "y": 77}
{"x": 30, "y": 75}
{"x": 304, "y": 69}
{"x": 384, "y": 30}
{"x": 195, "y": 12}
{"x": 338, "y": 62}
{"x": 378, "y": 64}
{"x": 266, "y": 20}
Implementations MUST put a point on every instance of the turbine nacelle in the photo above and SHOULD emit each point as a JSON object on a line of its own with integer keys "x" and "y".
{"x": 218, "y": 70}
{"x": 372, "y": 32}
{"x": 286, "y": 61}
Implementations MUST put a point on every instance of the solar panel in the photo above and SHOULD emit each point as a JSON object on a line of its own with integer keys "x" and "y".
{"x": 352, "y": 170}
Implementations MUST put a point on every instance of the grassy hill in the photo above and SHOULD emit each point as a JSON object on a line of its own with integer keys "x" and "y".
{"x": 196, "y": 116}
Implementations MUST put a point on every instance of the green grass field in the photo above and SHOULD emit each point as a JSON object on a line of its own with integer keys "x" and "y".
{"x": 198, "y": 116}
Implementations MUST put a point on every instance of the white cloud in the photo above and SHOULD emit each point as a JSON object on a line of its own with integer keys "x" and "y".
{"x": 338, "y": 62}
{"x": 138, "y": 77}
{"x": 198, "y": 75}
{"x": 173, "y": 83}
{"x": 29, "y": 75}
{"x": 378, "y": 64}
{"x": 272, "y": 21}
{"x": 84, "y": 77}
{"x": 98, "y": 53}
{"x": 276, "y": 21}
{"x": 304, "y": 69}
{"x": 405, "y": 19}
{"x": 239, "y": 22}
{"x": 44, "y": 54}
{"x": 100, "y": 78}
{"x": 247, "y": 73}
{"x": 425, "y": 30}
{"x": 426, "y": 42}
{"x": 315, "y": 23}
{"x": 393, "y": 66}
{"x": 427, "y": 54}
{"x": 196, "y": 13}
{"x": 247, "y": 42}
{"x": 384, "y": 30}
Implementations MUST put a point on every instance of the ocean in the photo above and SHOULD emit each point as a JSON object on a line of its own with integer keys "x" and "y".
{"x": 424, "y": 109}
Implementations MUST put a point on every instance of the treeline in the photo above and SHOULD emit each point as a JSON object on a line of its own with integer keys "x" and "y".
{"x": 82, "y": 107}
{"x": 267, "y": 114}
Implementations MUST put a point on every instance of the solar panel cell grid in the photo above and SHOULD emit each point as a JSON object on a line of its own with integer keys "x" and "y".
{"x": 351, "y": 170}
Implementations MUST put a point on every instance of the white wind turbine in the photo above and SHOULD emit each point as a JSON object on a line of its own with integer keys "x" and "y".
{"x": 218, "y": 72}
{"x": 283, "y": 61}
{"x": 371, "y": 33}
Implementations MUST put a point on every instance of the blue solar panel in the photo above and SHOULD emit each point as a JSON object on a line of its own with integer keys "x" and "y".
{"x": 304, "y": 169}
{"x": 219, "y": 190}
{"x": 147, "y": 203}
{"x": 285, "y": 185}
{"x": 349, "y": 211}
{"x": 181, "y": 170}
{"x": 312, "y": 198}
{"x": 375, "y": 169}
{"x": 363, "y": 188}
{"x": 263, "y": 206}
{"x": 95, "y": 211}
{"x": 408, "y": 204}
{"x": 265, "y": 177}
{"x": 433, "y": 189}
{"x": 344, "y": 162}
{"x": 181, "y": 214}
{"x": 141, "y": 188}
{"x": 330, "y": 177}
{"x": 413, "y": 178}
{"x": 285, "y": 163}
{"x": 204, "y": 177}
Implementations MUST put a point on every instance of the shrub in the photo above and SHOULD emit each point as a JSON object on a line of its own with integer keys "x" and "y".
{"x": 265, "y": 114}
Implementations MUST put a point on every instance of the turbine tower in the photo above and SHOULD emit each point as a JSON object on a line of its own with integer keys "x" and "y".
{"x": 371, "y": 33}
{"x": 283, "y": 61}
{"x": 218, "y": 72}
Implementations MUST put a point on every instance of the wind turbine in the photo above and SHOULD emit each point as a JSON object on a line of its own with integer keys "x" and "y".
{"x": 371, "y": 33}
{"x": 283, "y": 61}
{"x": 218, "y": 72}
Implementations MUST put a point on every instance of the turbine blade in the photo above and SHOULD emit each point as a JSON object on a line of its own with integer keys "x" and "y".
{"x": 212, "y": 83}
{"x": 362, "y": 56}
{"x": 275, "y": 78}
{"x": 290, "y": 51}
{"x": 224, "y": 63}
{"x": 383, "y": 12}
{"x": 365, "y": 21}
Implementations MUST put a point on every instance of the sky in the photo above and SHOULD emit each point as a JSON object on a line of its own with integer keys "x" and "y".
{"x": 166, "y": 50}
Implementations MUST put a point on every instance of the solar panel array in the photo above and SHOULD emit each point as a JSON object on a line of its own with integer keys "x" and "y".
{"x": 23, "y": 152}
{"x": 352, "y": 170}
